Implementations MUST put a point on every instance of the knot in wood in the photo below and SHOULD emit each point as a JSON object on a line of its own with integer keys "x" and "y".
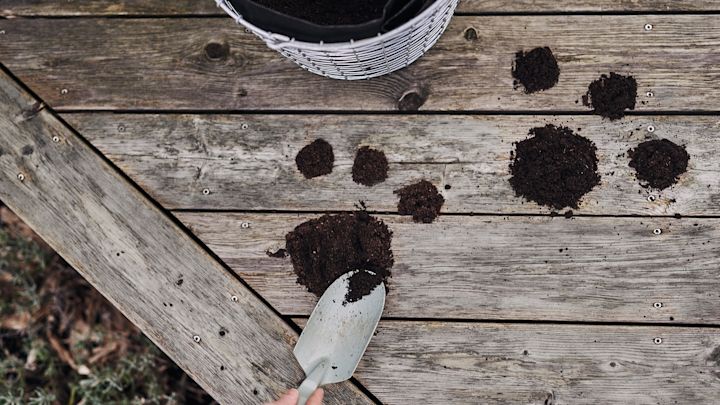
{"x": 217, "y": 51}
{"x": 471, "y": 34}
{"x": 411, "y": 100}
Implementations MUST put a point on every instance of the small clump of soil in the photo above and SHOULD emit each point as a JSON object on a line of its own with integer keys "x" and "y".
{"x": 536, "y": 70}
{"x": 361, "y": 284}
{"x": 610, "y": 96}
{"x": 325, "y": 248}
{"x": 659, "y": 163}
{"x": 278, "y": 254}
{"x": 555, "y": 167}
{"x": 316, "y": 159}
{"x": 370, "y": 167}
{"x": 329, "y": 12}
{"x": 421, "y": 200}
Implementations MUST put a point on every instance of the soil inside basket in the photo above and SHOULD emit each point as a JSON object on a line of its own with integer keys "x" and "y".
{"x": 325, "y": 248}
{"x": 659, "y": 163}
{"x": 555, "y": 167}
{"x": 329, "y": 12}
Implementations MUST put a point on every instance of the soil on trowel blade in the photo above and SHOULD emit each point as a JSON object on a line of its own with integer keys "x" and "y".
{"x": 555, "y": 167}
{"x": 325, "y": 248}
{"x": 659, "y": 163}
{"x": 361, "y": 284}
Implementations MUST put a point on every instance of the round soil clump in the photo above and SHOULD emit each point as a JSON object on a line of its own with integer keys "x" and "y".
{"x": 316, "y": 159}
{"x": 370, "y": 167}
{"x": 555, "y": 167}
{"x": 659, "y": 163}
{"x": 536, "y": 70}
{"x": 329, "y": 12}
{"x": 325, "y": 248}
{"x": 421, "y": 200}
{"x": 610, "y": 96}
{"x": 361, "y": 284}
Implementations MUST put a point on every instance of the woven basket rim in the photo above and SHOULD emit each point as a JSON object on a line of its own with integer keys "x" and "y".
{"x": 280, "y": 41}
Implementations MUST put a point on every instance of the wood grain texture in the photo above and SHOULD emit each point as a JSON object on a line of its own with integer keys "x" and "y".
{"x": 161, "y": 64}
{"x": 141, "y": 261}
{"x": 526, "y": 268}
{"x": 461, "y": 363}
{"x": 248, "y": 161}
{"x": 207, "y": 7}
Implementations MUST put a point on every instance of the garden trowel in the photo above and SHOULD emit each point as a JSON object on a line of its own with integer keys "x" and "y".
{"x": 336, "y": 335}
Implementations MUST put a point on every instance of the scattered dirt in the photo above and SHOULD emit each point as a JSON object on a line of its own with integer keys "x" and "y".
{"x": 555, "y": 167}
{"x": 329, "y": 12}
{"x": 316, "y": 159}
{"x": 421, "y": 200}
{"x": 610, "y": 96}
{"x": 278, "y": 254}
{"x": 536, "y": 70}
{"x": 659, "y": 163}
{"x": 325, "y": 248}
{"x": 362, "y": 283}
{"x": 370, "y": 167}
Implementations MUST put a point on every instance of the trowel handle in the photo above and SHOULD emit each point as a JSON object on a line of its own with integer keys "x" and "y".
{"x": 311, "y": 383}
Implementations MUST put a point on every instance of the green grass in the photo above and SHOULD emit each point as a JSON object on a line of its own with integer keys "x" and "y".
{"x": 68, "y": 345}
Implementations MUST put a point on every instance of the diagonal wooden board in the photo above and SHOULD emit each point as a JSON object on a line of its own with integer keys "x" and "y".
{"x": 144, "y": 263}
{"x": 161, "y": 63}
{"x": 207, "y": 7}
{"x": 247, "y": 161}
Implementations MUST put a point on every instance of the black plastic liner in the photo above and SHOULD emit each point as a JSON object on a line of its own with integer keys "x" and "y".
{"x": 395, "y": 13}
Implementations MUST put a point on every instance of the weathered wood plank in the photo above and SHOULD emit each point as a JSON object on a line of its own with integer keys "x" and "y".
{"x": 465, "y": 363}
{"x": 141, "y": 261}
{"x": 609, "y": 269}
{"x": 247, "y": 161}
{"x": 161, "y": 64}
{"x": 207, "y": 7}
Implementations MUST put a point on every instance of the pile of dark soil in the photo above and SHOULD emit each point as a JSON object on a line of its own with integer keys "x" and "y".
{"x": 421, "y": 200}
{"x": 611, "y": 95}
{"x": 329, "y": 12}
{"x": 659, "y": 163}
{"x": 316, "y": 159}
{"x": 362, "y": 283}
{"x": 536, "y": 70}
{"x": 555, "y": 167}
{"x": 325, "y": 248}
{"x": 370, "y": 167}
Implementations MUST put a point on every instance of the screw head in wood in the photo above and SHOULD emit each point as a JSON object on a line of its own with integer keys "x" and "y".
{"x": 2, "y": 32}
{"x": 56, "y": 139}
{"x": 121, "y": 128}
{"x": 196, "y": 338}
{"x": 206, "y": 191}
{"x": 658, "y": 305}
{"x": 244, "y": 126}
{"x": 245, "y": 225}
{"x": 234, "y": 298}
{"x": 657, "y": 231}
{"x": 64, "y": 91}
{"x": 651, "y": 198}
{"x": 651, "y": 128}
{"x": 650, "y": 94}
{"x": 657, "y": 340}
{"x": 648, "y": 27}
{"x": 21, "y": 177}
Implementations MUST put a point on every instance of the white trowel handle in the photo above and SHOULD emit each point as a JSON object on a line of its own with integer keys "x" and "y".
{"x": 310, "y": 384}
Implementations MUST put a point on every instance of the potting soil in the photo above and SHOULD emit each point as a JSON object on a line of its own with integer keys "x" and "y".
{"x": 536, "y": 70}
{"x": 370, "y": 167}
{"x": 316, "y": 159}
{"x": 610, "y": 96}
{"x": 659, "y": 163}
{"x": 421, "y": 200}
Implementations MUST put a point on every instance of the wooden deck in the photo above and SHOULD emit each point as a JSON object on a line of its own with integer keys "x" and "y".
{"x": 483, "y": 307}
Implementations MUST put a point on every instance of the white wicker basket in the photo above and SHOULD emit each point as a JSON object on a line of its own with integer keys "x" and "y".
{"x": 364, "y": 58}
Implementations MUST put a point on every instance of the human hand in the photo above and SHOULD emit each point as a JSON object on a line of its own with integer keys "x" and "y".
{"x": 291, "y": 398}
